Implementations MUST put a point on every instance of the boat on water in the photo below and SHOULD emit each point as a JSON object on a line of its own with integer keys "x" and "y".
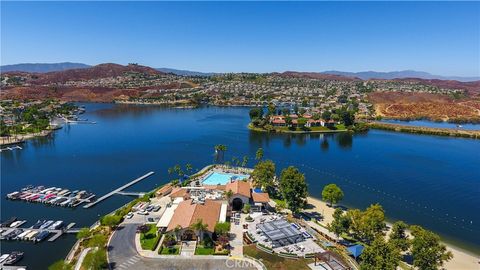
{"x": 41, "y": 236}
{"x": 55, "y": 226}
{"x": 23, "y": 234}
{"x": 31, "y": 236}
{"x": 14, "y": 257}
{"x": 46, "y": 224}
{"x": 38, "y": 224}
{"x": 16, "y": 223}
{"x": 8, "y": 222}
{"x": 3, "y": 257}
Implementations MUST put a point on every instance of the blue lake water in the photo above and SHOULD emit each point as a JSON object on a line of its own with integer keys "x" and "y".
{"x": 427, "y": 180}
{"x": 425, "y": 123}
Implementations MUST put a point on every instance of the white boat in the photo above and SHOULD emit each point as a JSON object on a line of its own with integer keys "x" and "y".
{"x": 31, "y": 235}
{"x": 23, "y": 234}
{"x": 46, "y": 224}
{"x": 63, "y": 192}
{"x": 56, "y": 225}
{"x": 16, "y": 223}
{"x": 3, "y": 257}
{"x": 65, "y": 203}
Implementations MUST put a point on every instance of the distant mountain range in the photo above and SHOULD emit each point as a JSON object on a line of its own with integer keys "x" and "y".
{"x": 365, "y": 75}
{"x": 42, "y": 67}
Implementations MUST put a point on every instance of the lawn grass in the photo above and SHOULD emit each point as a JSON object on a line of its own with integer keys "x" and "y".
{"x": 272, "y": 261}
{"x": 202, "y": 250}
{"x": 174, "y": 250}
{"x": 149, "y": 240}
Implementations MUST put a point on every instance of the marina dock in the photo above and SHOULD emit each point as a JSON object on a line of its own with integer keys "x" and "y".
{"x": 37, "y": 233}
{"x": 106, "y": 196}
{"x": 52, "y": 196}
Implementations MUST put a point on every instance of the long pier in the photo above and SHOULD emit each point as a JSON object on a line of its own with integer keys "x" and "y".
{"x": 118, "y": 189}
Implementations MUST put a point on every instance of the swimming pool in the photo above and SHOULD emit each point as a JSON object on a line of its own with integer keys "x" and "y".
{"x": 217, "y": 178}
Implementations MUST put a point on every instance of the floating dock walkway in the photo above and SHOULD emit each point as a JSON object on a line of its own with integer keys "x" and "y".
{"x": 106, "y": 196}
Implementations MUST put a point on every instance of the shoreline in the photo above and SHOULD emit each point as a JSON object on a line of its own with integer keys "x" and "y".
{"x": 462, "y": 259}
{"x": 449, "y": 132}
{"x": 24, "y": 137}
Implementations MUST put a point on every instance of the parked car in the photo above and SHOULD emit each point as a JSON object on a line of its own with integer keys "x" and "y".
{"x": 149, "y": 208}
{"x": 129, "y": 215}
{"x": 156, "y": 208}
{"x": 142, "y": 212}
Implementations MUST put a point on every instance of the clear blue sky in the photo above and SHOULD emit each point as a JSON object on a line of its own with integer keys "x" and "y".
{"x": 437, "y": 37}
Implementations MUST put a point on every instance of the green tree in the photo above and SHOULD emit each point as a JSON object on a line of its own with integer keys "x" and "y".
{"x": 244, "y": 161}
{"x": 340, "y": 223}
{"x": 301, "y": 122}
{"x": 189, "y": 168}
{"x": 255, "y": 113}
{"x": 271, "y": 109}
{"x": 259, "y": 154}
{"x": 263, "y": 174}
{"x": 332, "y": 194}
{"x": 293, "y": 188}
{"x": 246, "y": 208}
{"x": 427, "y": 250}
{"x": 176, "y": 231}
{"x": 347, "y": 116}
{"x": 398, "y": 236}
{"x": 373, "y": 222}
{"x": 60, "y": 265}
{"x": 111, "y": 220}
{"x": 380, "y": 255}
{"x": 228, "y": 194}
{"x": 4, "y": 129}
{"x": 326, "y": 115}
{"x": 83, "y": 233}
{"x": 222, "y": 228}
{"x": 199, "y": 227}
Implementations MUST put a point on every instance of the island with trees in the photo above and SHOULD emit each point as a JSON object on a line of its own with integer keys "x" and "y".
{"x": 304, "y": 119}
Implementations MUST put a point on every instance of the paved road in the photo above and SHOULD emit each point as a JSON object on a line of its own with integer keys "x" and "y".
{"x": 122, "y": 255}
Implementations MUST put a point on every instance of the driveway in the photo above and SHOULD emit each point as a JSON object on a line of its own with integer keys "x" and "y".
{"x": 122, "y": 255}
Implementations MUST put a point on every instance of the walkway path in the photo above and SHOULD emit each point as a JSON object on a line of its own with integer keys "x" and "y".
{"x": 236, "y": 240}
{"x": 84, "y": 253}
{"x": 118, "y": 189}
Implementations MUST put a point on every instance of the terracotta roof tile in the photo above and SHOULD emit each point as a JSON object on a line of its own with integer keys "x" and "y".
{"x": 188, "y": 213}
{"x": 239, "y": 187}
{"x": 260, "y": 197}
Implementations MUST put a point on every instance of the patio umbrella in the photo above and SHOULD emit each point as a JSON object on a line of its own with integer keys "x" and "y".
{"x": 356, "y": 250}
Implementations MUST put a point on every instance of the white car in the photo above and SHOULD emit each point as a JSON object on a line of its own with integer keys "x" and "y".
{"x": 142, "y": 212}
{"x": 129, "y": 215}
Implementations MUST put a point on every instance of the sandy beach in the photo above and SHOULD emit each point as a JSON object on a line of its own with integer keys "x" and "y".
{"x": 462, "y": 260}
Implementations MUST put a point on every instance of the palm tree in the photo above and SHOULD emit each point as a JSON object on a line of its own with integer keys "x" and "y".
{"x": 259, "y": 154}
{"x": 189, "y": 168}
{"x": 229, "y": 194}
{"x": 244, "y": 161}
{"x": 177, "y": 229}
{"x": 199, "y": 227}
{"x": 220, "y": 150}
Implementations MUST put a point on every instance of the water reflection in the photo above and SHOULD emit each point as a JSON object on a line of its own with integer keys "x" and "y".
{"x": 343, "y": 140}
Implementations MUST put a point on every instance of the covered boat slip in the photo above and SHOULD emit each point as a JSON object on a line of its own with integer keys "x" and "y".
{"x": 281, "y": 233}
